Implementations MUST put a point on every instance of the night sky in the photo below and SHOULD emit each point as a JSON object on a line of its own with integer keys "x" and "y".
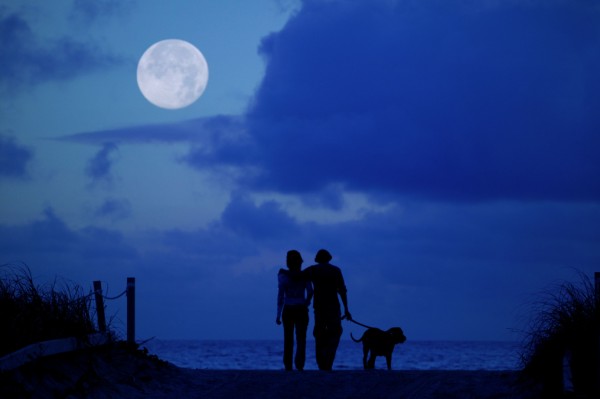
{"x": 446, "y": 153}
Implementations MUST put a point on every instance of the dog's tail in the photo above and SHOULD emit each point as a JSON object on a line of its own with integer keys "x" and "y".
{"x": 354, "y": 339}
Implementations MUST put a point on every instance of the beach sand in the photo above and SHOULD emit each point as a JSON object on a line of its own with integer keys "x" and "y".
{"x": 117, "y": 373}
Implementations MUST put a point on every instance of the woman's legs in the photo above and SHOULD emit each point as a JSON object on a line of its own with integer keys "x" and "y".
{"x": 295, "y": 319}
{"x": 288, "y": 337}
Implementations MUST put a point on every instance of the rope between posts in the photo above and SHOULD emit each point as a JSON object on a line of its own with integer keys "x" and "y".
{"x": 114, "y": 297}
{"x": 106, "y": 297}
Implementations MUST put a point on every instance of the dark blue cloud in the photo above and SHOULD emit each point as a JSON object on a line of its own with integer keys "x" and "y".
{"x": 50, "y": 239}
{"x": 433, "y": 100}
{"x": 215, "y": 131}
{"x": 49, "y": 235}
{"x": 99, "y": 167}
{"x": 218, "y": 143}
{"x": 27, "y": 59}
{"x": 14, "y": 158}
{"x": 263, "y": 222}
{"x": 87, "y": 12}
{"x": 114, "y": 209}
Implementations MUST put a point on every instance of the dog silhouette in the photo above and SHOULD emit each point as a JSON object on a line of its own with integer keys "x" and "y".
{"x": 377, "y": 342}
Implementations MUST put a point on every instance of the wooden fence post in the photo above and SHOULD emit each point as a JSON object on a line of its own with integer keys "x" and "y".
{"x": 100, "y": 306}
{"x": 131, "y": 310}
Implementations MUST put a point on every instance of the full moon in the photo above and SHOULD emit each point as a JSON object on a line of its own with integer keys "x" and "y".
{"x": 172, "y": 74}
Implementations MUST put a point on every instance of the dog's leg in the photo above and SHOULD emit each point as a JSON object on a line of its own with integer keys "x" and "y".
{"x": 371, "y": 363}
{"x": 388, "y": 359}
{"x": 365, "y": 354}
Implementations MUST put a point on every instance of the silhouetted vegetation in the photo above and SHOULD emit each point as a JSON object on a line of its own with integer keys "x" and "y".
{"x": 566, "y": 324}
{"x": 32, "y": 313}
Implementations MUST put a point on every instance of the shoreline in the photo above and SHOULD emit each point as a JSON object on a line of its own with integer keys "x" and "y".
{"x": 412, "y": 355}
{"x": 119, "y": 373}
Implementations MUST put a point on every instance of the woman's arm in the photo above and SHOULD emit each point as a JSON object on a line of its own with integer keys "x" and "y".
{"x": 280, "y": 298}
{"x": 309, "y": 292}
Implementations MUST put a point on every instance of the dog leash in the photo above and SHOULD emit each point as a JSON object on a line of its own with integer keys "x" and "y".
{"x": 356, "y": 322}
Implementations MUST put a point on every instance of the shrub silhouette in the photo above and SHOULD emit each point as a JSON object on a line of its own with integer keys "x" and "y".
{"x": 32, "y": 313}
{"x": 566, "y": 324}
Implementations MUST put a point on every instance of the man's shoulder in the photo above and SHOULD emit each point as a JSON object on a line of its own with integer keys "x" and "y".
{"x": 332, "y": 268}
{"x": 322, "y": 268}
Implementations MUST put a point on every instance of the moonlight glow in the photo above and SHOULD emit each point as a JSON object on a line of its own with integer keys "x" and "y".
{"x": 172, "y": 74}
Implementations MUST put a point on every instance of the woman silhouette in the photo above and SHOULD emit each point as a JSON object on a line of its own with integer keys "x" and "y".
{"x": 293, "y": 297}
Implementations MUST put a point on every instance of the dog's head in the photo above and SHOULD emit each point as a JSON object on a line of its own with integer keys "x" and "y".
{"x": 397, "y": 335}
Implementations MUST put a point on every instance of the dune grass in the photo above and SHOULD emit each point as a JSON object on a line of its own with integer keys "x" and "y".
{"x": 566, "y": 325}
{"x": 32, "y": 313}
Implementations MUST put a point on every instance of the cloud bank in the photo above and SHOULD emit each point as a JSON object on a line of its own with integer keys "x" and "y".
{"x": 433, "y": 100}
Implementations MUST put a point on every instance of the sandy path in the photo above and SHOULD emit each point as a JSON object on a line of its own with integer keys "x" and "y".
{"x": 115, "y": 373}
{"x": 347, "y": 384}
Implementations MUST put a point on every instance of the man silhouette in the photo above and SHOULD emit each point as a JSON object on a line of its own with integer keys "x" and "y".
{"x": 328, "y": 283}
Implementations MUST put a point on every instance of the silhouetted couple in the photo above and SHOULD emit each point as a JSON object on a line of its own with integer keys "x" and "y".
{"x": 296, "y": 289}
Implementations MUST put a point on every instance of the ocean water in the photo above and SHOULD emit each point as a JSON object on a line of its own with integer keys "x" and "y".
{"x": 267, "y": 355}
